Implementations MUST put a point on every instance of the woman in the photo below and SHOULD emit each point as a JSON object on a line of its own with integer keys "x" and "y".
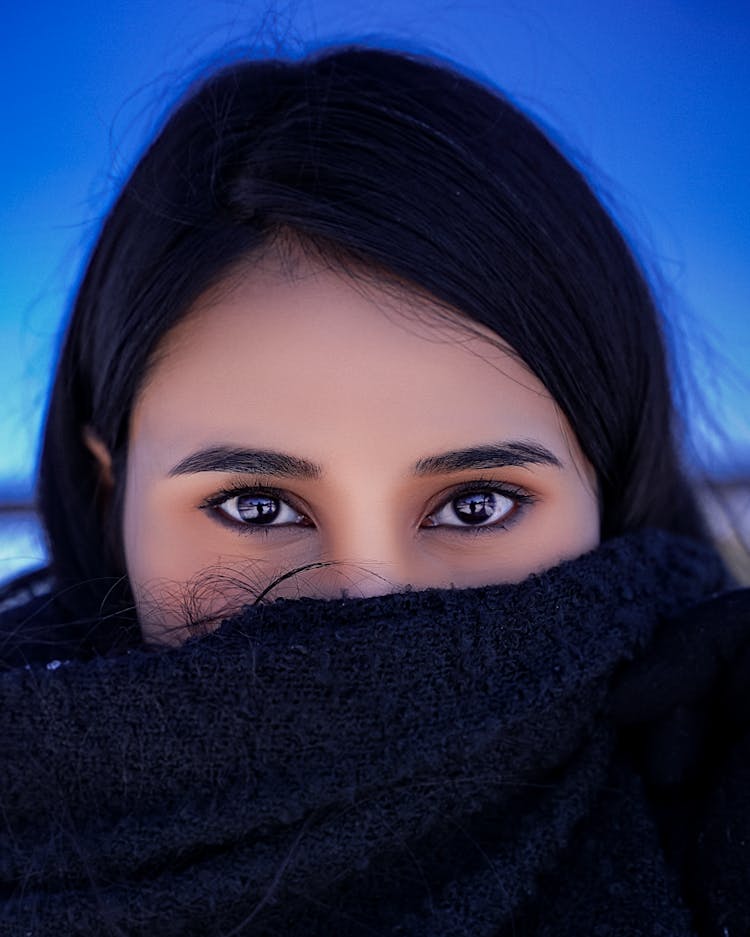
{"x": 355, "y": 334}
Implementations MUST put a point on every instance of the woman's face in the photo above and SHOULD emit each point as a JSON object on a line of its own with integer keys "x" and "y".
{"x": 302, "y": 419}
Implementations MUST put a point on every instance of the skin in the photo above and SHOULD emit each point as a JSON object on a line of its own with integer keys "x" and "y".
{"x": 365, "y": 386}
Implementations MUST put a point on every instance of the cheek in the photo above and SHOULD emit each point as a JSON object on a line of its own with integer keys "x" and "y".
{"x": 563, "y": 525}
{"x": 161, "y": 554}
{"x": 182, "y": 568}
{"x": 574, "y": 527}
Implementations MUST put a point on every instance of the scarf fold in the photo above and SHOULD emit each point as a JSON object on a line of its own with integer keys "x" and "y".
{"x": 439, "y": 763}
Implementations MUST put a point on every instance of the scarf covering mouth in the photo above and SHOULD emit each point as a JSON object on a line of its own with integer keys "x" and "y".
{"x": 429, "y": 763}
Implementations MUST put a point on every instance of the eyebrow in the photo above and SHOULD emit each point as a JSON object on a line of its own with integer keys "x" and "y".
{"x": 267, "y": 462}
{"x": 490, "y": 456}
{"x": 247, "y": 462}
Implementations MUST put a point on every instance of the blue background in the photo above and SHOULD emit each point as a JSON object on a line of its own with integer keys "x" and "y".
{"x": 651, "y": 98}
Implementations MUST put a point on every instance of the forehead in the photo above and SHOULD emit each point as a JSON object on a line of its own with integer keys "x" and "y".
{"x": 311, "y": 361}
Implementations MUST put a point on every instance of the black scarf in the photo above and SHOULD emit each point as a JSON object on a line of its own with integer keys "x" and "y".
{"x": 442, "y": 763}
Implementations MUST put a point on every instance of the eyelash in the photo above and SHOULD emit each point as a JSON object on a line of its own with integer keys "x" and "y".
{"x": 521, "y": 498}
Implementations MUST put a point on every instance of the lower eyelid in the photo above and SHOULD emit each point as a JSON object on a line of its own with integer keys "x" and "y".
{"x": 255, "y": 530}
{"x": 501, "y": 526}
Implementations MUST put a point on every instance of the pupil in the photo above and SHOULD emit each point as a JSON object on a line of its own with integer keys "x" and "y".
{"x": 258, "y": 508}
{"x": 474, "y": 508}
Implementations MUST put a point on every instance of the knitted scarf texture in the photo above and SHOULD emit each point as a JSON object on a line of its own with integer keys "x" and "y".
{"x": 428, "y": 764}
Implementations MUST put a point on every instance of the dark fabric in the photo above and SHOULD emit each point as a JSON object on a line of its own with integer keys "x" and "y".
{"x": 564, "y": 756}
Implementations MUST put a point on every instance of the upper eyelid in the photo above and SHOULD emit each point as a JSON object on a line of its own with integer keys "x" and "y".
{"x": 508, "y": 489}
{"x": 215, "y": 500}
{"x": 242, "y": 487}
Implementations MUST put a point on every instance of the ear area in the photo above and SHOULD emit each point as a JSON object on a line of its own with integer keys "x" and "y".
{"x": 103, "y": 457}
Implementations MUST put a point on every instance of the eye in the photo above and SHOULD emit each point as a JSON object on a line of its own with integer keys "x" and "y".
{"x": 259, "y": 509}
{"x": 480, "y": 508}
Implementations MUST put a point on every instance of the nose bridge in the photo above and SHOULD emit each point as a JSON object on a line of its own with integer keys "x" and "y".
{"x": 368, "y": 546}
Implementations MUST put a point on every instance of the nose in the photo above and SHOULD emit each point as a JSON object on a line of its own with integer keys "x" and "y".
{"x": 331, "y": 579}
{"x": 370, "y": 552}
{"x": 357, "y": 561}
{"x": 359, "y": 579}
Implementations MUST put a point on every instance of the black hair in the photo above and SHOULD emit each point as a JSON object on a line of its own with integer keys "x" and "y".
{"x": 393, "y": 162}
